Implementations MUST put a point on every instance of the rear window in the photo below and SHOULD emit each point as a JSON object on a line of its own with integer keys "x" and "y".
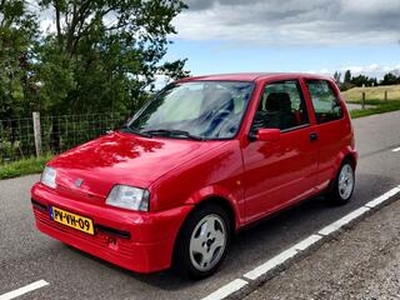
{"x": 327, "y": 106}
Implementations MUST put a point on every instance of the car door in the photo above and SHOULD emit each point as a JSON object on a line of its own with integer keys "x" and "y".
{"x": 279, "y": 173}
{"x": 332, "y": 129}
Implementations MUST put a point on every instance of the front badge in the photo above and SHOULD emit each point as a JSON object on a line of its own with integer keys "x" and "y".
{"x": 78, "y": 182}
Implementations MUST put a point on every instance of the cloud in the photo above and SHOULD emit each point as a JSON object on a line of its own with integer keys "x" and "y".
{"x": 292, "y": 22}
{"x": 372, "y": 70}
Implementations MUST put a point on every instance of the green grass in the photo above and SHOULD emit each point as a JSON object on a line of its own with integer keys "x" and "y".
{"x": 372, "y": 93}
{"x": 379, "y": 108}
{"x": 22, "y": 167}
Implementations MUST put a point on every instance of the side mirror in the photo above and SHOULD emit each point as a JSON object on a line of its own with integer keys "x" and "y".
{"x": 272, "y": 135}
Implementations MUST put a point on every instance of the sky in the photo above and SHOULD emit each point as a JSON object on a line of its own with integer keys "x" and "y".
{"x": 318, "y": 36}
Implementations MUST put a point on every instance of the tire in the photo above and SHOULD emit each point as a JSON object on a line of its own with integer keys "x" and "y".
{"x": 343, "y": 186}
{"x": 202, "y": 243}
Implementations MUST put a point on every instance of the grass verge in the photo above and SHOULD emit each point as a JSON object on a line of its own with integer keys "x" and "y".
{"x": 22, "y": 167}
{"x": 379, "y": 108}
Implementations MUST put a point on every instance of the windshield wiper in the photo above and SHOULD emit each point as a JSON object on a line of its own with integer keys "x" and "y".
{"x": 173, "y": 133}
{"x": 126, "y": 128}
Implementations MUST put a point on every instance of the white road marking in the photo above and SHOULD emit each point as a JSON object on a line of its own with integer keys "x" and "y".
{"x": 396, "y": 150}
{"x": 279, "y": 259}
{"x": 227, "y": 290}
{"x": 343, "y": 221}
{"x": 23, "y": 290}
{"x": 383, "y": 198}
{"x": 307, "y": 243}
{"x": 271, "y": 264}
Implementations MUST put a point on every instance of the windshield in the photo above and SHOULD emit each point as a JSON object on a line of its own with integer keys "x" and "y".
{"x": 195, "y": 110}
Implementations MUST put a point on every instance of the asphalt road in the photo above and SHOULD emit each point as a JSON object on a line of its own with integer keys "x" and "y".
{"x": 27, "y": 255}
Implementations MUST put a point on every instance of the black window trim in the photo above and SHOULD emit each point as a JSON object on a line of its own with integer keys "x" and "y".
{"x": 302, "y": 126}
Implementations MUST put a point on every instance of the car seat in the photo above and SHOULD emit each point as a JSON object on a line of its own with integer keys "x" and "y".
{"x": 279, "y": 111}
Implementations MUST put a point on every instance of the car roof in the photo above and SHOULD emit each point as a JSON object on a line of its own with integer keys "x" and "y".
{"x": 253, "y": 77}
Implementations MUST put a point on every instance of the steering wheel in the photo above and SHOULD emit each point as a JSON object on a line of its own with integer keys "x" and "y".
{"x": 216, "y": 120}
{"x": 225, "y": 124}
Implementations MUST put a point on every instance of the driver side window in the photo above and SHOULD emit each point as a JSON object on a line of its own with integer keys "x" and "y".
{"x": 281, "y": 106}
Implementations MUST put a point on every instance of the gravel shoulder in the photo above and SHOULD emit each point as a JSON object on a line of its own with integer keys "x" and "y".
{"x": 360, "y": 263}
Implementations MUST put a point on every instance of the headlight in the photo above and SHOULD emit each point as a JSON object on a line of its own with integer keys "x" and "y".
{"x": 129, "y": 197}
{"x": 48, "y": 177}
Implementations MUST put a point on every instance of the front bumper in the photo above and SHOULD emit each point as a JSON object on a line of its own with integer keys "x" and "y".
{"x": 141, "y": 242}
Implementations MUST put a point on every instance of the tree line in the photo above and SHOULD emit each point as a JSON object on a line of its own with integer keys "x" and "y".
{"x": 349, "y": 81}
{"x": 100, "y": 55}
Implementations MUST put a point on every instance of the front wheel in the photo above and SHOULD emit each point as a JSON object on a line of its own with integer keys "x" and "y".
{"x": 344, "y": 184}
{"x": 202, "y": 243}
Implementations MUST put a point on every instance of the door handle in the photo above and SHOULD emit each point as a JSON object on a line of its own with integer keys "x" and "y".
{"x": 313, "y": 136}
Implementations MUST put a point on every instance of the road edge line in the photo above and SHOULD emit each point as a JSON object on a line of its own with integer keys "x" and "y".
{"x": 227, "y": 289}
{"x": 254, "y": 278}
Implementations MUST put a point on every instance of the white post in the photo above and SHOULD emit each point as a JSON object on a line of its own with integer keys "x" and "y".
{"x": 37, "y": 133}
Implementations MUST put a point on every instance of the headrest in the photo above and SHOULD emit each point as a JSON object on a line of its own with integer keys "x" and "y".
{"x": 278, "y": 102}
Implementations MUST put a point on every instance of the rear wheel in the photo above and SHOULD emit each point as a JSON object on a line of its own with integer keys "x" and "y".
{"x": 344, "y": 184}
{"x": 202, "y": 243}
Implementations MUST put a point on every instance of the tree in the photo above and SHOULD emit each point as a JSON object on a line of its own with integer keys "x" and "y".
{"x": 18, "y": 33}
{"x": 337, "y": 76}
{"x": 347, "y": 81}
{"x": 373, "y": 81}
{"x": 105, "y": 53}
{"x": 361, "y": 80}
{"x": 347, "y": 77}
{"x": 390, "y": 79}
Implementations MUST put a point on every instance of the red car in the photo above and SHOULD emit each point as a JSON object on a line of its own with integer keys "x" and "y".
{"x": 206, "y": 157}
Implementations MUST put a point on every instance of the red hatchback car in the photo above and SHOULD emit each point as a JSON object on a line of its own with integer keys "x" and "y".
{"x": 206, "y": 157}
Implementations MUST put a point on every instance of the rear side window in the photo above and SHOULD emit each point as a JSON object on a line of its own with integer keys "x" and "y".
{"x": 326, "y": 105}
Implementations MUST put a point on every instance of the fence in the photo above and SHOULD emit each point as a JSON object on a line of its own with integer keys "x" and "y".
{"x": 54, "y": 134}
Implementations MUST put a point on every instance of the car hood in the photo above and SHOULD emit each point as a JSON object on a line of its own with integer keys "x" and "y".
{"x": 123, "y": 158}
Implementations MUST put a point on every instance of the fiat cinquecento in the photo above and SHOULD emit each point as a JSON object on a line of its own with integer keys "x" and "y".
{"x": 206, "y": 157}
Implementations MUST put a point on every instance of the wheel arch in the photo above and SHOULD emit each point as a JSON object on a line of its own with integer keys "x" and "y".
{"x": 225, "y": 205}
{"x": 352, "y": 157}
{"x": 347, "y": 155}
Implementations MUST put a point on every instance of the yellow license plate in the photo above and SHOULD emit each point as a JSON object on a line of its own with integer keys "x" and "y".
{"x": 72, "y": 220}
